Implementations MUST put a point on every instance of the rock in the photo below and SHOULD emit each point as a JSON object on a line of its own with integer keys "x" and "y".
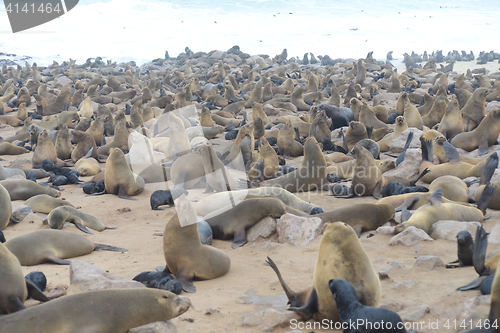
{"x": 63, "y": 79}
{"x": 385, "y": 230}
{"x": 298, "y": 230}
{"x": 494, "y": 236}
{"x": 397, "y": 145}
{"x": 448, "y": 230}
{"x": 157, "y": 327}
{"x": 414, "y": 313}
{"x": 264, "y": 228}
{"x": 217, "y": 55}
{"x": 410, "y": 236}
{"x": 404, "y": 285}
{"x": 384, "y": 272}
{"x": 473, "y": 188}
{"x": 385, "y": 97}
{"x": 89, "y": 277}
{"x": 474, "y": 307}
{"x": 493, "y": 105}
{"x": 409, "y": 168}
{"x": 270, "y": 319}
{"x": 429, "y": 261}
{"x": 58, "y": 291}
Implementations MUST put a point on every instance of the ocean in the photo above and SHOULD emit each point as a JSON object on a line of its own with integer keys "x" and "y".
{"x": 123, "y": 30}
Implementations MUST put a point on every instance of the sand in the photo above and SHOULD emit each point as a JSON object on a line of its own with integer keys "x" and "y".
{"x": 219, "y": 305}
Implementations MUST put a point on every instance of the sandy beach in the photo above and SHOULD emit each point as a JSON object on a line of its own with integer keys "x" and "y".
{"x": 249, "y": 297}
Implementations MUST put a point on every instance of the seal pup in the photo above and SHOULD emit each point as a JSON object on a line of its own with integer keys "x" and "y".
{"x": 185, "y": 256}
{"x": 130, "y": 308}
{"x": 119, "y": 179}
{"x": 341, "y": 255}
{"x": 465, "y": 250}
{"x": 351, "y": 310}
{"x": 165, "y": 197}
{"x": 50, "y": 245}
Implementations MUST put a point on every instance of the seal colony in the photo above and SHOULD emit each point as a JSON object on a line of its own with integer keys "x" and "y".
{"x": 240, "y": 141}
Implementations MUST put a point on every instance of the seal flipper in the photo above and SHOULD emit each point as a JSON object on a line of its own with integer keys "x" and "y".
{"x": 377, "y": 191}
{"x": 83, "y": 228}
{"x": 427, "y": 151}
{"x": 401, "y": 156}
{"x": 405, "y": 214}
{"x": 485, "y": 198}
{"x": 369, "y": 132}
{"x": 480, "y": 246}
{"x": 423, "y": 173}
{"x": 437, "y": 197}
{"x": 105, "y": 247}
{"x": 489, "y": 169}
{"x": 57, "y": 260}
{"x": 35, "y": 293}
{"x": 123, "y": 194}
{"x": 483, "y": 148}
{"x": 310, "y": 308}
{"x": 186, "y": 281}
{"x": 474, "y": 284}
{"x": 20, "y": 214}
{"x": 451, "y": 152}
{"x": 240, "y": 238}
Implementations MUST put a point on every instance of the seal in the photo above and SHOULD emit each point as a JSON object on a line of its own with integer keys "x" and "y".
{"x": 226, "y": 199}
{"x": 187, "y": 170}
{"x": 361, "y": 217}
{"x": 267, "y": 165}
{"x": 58, "y": 216}
{"x": 355, "y": 133}
{"x": 15, "y": 289}
{"x": 135, "y": 307}
{"x": 159, "y": 280}
{"x": 454, "y": 188}
{"x": 118, "y": 178}
{"x": 287, "y": 145}
{"x": 351, "y": 310}
{"x": 49, "y": 245}
{"x": 165, "y": 197}
{"x": 475, "y": 109}
{"x": 87, "y": 166}
{"x": 44, "y": 203}
{"x": 185, "y": 256}
{"x": 451, "y": 123}
{"x": 217, "y": 176}
{"x": 120, "y": 139}
{"x": 311, "y": 175}
{"x": 436, "y": 210}
{"x": 437, "y": 111}
{"x": 367, "y": 178}
{"x": 412, "y": 116}
{"x": 368, "y": 118}
{"x": 45, "y": 150}
{"x": 96, "y": 130}
{"x": 234, "y": 222}
{"x": 85, "y": 145}
{"x": 22, "y": 189}
{"x": 178, "y": 144}
{"x": 465, "y": 250}
{"x": 340, "y": 255}
{"x": 63, "y": 144}
{"x": 7, "y": 148}
{"x": 482, "y": 137}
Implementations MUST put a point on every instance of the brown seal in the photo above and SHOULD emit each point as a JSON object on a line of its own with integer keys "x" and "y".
{"x": 85, "y": 144}
{"x": 118, "y": 178}
{"x": 361, "y": 217}
{"x": 7, "y": 148}
{"x": 483, "y": 136}
{"x": 44, "y": 203}
{"x": 63, "y": 144}
{"x": 22, "y": 189}
{"x": 311, "y": 175}
{"x": 45, "y": 150}
{"x": 96, "y": 130}
{"x": 185, "y": 256}
{"x": 437, "y": 111}
{"x": 475, "y": 109}
{"x": 287, "y": 145}
{"x": 451, "y": 123}
{"x": 341, "y": 255}
{"x": 134, "y": 307}
{"x": 120, "y": 139}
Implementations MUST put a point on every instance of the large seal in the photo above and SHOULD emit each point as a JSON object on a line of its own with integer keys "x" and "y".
{"x": 311, "y": 175}
{"x": 118, "y": 178}
{"x": 451, "y": 123}
{"x": 217, "y": 176}
{"x": 233, "y": 223}
{"x": 185, "y": 256}
{"x": 341, "y": 255}
{"x": 475, "y": 109}
{"x": 22, "y": 189}
{"x": 361, "y": 217}
{"x": 63, "y": 144}
{"x": 14, "y": 288}
{"x": 130, "y": 308}
{"x": 287, "y": 145}
{"x": 48, "y": 245}
{"x": 436, "y": 210}
{"x": 482, "y": 137}
{"x": 44, "y": 203}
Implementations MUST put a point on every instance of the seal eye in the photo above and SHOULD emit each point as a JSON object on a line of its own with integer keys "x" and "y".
{"x": 165, "y": 296}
